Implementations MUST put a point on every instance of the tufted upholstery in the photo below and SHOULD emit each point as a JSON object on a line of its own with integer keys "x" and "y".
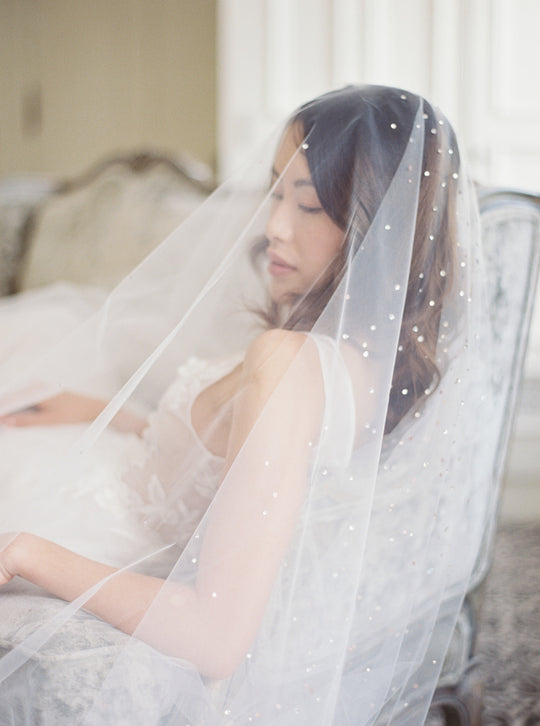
{"x": 95, "y": 229}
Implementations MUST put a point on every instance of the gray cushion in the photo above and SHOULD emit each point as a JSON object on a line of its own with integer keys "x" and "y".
{"x": 19, "y": 195}
{"x": 60, "y": 683}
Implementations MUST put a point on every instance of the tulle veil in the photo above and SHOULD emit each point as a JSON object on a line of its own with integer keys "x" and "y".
{"x": 350, "y": 549}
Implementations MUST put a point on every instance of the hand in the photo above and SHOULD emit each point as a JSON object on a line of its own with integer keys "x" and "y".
{"x": 6, "y": 569}
{"x": 65, "y": 408}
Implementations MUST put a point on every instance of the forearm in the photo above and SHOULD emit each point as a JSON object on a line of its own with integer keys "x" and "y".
{"x": 125, "y": 421}
{"x": 183, "y": 623}
{"x": 121, "y": 601}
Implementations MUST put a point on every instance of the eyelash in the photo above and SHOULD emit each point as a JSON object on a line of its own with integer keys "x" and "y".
{"x": 302, "y": 207}
{"x": 310, "y": 210}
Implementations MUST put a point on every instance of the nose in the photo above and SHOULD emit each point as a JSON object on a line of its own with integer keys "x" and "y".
{"x": 279, "y": 227}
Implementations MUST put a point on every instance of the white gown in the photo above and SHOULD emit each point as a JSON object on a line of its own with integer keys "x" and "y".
{"x": 131, "y": 500}
{"x": 136, "y": 494}
{"x": 133, "y": 489}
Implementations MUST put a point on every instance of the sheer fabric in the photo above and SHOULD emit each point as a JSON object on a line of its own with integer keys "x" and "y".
{"x": 315, "y": 565}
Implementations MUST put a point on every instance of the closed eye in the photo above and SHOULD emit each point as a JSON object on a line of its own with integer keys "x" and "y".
{"x": 309, "y": 209}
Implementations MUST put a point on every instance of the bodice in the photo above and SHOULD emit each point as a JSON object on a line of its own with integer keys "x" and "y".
{"x": 174, "y": 477}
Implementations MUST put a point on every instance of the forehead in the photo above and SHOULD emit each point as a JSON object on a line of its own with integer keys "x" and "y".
{"x": 290, "y": 158}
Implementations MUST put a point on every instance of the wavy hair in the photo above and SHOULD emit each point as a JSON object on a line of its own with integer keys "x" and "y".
{"x": 357, "y": 138}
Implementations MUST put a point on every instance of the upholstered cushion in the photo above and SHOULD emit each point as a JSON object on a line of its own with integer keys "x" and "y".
{"x": 59, "y": 684}
{"x": 96, "y": 232}
{"x": 18, "y": 197}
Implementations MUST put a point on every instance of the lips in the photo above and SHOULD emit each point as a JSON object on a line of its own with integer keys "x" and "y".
{"x": 277, "y": 266}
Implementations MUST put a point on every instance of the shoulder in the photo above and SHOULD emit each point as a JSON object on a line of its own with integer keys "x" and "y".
{"x": 276, "y": 352}
{"x": 276, "y": 344}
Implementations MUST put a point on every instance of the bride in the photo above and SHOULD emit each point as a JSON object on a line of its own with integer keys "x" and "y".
{"x": 281, "y": 539}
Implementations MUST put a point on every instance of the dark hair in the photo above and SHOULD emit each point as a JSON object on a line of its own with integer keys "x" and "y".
{"x": 351, "y": 177}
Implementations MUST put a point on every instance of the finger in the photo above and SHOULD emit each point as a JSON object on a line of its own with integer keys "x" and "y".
{"x": 28, "y": 417}
{"x": 18, "y": 419}
{"x": 6, "y": 538}
{"x": 9, "y": 418}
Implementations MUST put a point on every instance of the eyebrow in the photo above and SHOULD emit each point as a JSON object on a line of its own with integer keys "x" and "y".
{"x": 297, "y": 183}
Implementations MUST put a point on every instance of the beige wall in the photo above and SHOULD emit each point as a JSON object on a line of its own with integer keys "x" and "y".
{"x": 83, "y": 79}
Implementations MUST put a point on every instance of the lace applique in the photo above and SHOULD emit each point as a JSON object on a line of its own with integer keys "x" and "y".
{"x": 173, "y": 477}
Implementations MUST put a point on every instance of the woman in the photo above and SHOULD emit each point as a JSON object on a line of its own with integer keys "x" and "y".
{"x": 306, "y": 481}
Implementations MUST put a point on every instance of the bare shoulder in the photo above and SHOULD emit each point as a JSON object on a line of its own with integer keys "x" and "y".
{"x": 282, "y": 369}
{"x": 275, "y": 343}
{"x": 276, "y": 351}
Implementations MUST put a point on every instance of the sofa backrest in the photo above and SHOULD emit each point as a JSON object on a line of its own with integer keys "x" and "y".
{"x": 95, "y": 230}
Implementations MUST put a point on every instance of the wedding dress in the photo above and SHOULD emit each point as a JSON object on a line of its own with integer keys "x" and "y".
{"x": 136, "y": 496}
{"x": 149, "y": 488}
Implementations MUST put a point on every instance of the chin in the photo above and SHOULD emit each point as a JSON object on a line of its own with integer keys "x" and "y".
{"x": 283, "y": 296}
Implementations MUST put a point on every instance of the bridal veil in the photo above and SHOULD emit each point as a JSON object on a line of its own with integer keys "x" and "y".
{"x": 348, "y": 548}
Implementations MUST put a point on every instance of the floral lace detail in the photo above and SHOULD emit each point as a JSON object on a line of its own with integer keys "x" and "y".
{"x": 173, "y": 477}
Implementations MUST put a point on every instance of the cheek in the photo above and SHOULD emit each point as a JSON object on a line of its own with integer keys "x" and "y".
{"x": 319, "y": 242}
{"x": 329, "y": 244}
{"x": 322, "y": 256}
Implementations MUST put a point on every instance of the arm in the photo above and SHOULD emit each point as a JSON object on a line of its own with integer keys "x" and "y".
{"x": 69, "y": 408}
{"x": 251, "y": 522}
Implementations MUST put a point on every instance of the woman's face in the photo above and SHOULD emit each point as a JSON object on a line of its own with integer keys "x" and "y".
{"x": 303, "y": 240}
